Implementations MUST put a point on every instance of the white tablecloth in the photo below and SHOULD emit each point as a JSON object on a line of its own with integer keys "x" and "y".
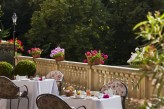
{"x": 113, "y": 102}
{"x": 35, "y": 88}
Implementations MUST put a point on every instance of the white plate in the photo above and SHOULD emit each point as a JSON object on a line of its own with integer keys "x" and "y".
{"x": 25, "y": 79}
{"x": 77, "y": 97}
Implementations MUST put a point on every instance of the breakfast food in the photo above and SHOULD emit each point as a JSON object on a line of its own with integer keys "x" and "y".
{"x": 69, "y": 91}
{"x": 70, "y": 88}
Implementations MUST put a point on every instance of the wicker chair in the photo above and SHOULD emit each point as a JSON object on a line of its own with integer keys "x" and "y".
{"x": 58, "y": 76}
{"x": 8, "y": 90}
{"x": 120, "y": 89}
{"x": 49, "y": 101}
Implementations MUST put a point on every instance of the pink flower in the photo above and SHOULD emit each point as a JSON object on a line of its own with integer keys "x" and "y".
{"x": 29, "y": 51}
{"x": 93, "y": 54}
{"x": 85, "y": 61}
{"x": 94, "y": 51}
{"x": 88, "y": 53}
{"x": 102, "y": 54}
{"x": 34, "y": 51}
{"x": 102, "y": 62}
{"x": 105, "y": 56}
{"x": 95, "y": 57}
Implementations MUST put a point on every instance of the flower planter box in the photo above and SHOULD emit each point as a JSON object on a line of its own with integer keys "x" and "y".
{"x": 97, "y": 61}
{"x": 36, "y": 56}
{"x": 61, "y": 58}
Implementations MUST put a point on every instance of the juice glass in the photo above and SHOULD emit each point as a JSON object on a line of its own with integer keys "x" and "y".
{"x": 88, "y": 92}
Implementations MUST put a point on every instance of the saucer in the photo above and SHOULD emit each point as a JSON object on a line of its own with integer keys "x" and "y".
{"x": 25, "y": 79}
{"x": 77, "y": 97}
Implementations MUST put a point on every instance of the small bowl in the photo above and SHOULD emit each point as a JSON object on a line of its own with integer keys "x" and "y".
{"x": 69, "y": 93}
{"x": 79, "y": 96}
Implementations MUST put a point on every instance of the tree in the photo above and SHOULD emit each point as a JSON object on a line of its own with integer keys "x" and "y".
{"x": 3, "y": 33}
{"x": 124, "y": 15}
{"x": 76, "y": 25}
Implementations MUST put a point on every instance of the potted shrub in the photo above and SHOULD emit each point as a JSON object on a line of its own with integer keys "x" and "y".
{"x": 6, "y": 69}
{"x": 57, "y": 54}
{"x": 25, "y": 67}
{"x": 95, "y": 57}
{"x": 35, "y": 52}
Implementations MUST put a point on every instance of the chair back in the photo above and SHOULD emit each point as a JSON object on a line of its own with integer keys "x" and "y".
{"x": 7, "y": 88}
{"x": 120, "y": 89}
{"x": 49, "y": 101}
{"x": 57, "y": 75}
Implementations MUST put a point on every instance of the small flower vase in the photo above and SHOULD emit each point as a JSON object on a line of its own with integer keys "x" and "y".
{"x": 97, "y": 61}
{"x": 60, "y": 58}
{"x": 36, "y": 56}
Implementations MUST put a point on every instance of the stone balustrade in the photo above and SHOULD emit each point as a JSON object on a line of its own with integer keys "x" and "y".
{"x": 82, "y": 76}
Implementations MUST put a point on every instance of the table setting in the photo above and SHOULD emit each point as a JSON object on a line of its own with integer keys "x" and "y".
{"x": 92, "y": 99}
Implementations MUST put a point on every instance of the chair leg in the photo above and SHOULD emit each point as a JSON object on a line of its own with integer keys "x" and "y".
{"x": 28, "y": 103}
{"x": 18, "y": 103}
{"x": 10, "y": 103}
{"x": 123, "y": 103}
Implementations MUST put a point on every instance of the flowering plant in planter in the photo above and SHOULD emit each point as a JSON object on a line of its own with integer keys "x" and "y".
{"x": 18, "y": 44}
{"x": 95, "y": 57}
{"x": 35, "y": 51}
{"x": 57, "y": 53}
{"x": 150, "y": 57}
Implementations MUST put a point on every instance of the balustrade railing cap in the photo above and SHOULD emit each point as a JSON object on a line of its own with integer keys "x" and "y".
{"x": 7, "y": 46}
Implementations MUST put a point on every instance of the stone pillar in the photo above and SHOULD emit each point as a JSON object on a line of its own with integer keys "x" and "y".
{"x": 7, "y": 52}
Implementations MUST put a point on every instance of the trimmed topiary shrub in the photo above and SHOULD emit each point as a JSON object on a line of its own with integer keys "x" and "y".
{"x": 25, "y": 67}
{"x": 5, "y": 69}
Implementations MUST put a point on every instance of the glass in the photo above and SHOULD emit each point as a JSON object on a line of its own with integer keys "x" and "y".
{"x": 88, "y": 92}
{"x": 43, "y": 77}
{"x": 37, "y": 77}
{"x": 17, "y": 77}
{"x": 26, "y": 76}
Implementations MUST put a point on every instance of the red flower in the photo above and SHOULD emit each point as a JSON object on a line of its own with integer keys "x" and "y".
{"x": 18, "y": 43}
{"x": 106, "y": 96}
{"x": 102, "y": 62}
{"x": 85, "y": 60}
{"x": 105, "y": 56}
{"x": 95, "y": 55}
{"x": 88, "y": 53}
{"x": 94, "y": 52}
{"x": 102, "y": 54}
{"x": 34, "y": 51}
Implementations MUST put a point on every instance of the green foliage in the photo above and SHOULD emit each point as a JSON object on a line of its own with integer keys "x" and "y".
{"x": 1, "y": 13}
{"x": 5, "y": 69}
{"x": 24, "y": 12}
{"x": 150, "y": 57}
{"x": 58, "y": 55}
{"x": 124, "y": 15}
{"x": 74, "y": 25}
{"x": 25, "y": 67}
{"x": 152, "y": 29}
{"x": 79, "y": 25}
{"x": 3, "y": 33}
